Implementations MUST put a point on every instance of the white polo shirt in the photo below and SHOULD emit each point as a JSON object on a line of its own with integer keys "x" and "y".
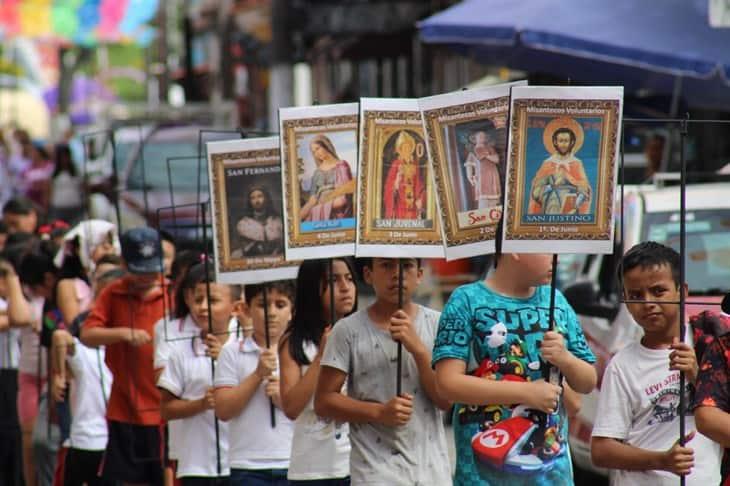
{"x": 188, "y": 375}
{"x": 254, "y": 444}
{"x": 169, "y": 335}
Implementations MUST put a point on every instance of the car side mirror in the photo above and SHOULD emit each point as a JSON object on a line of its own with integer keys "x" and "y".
{"x": 582, "y": 296}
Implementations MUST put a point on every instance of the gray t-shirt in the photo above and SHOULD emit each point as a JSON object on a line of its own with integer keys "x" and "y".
{"x": 413, "y": 454}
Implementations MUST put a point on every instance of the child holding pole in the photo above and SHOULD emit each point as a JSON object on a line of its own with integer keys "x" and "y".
{"x": 396, "y": 439}
{"x": 320, "y": 447}
{"x": 246, "y": 385}
{"x": 510, "y": 425}
{"x": 186, "y": 383}
{"x": 637, "y": 422}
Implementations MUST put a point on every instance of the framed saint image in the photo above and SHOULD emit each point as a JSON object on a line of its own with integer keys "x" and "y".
{"x": 398, "y": 210}
{"x": 466, "y": 134}
{"x": 562, "y": 168}
{"x": 319, "y": 169}
{"x": 248, "y": 229}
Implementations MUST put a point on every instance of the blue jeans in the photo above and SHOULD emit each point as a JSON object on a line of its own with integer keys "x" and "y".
{"x": 258, "y": 477}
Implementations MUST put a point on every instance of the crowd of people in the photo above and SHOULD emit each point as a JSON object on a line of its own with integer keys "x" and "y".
{"x": 123, "y": 361}
{"x": 47, "y": 175}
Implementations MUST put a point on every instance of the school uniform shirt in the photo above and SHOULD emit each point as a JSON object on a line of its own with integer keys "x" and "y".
{"x": 320, "y": 447}
{"x": 253, "y": 442}
{"x": 170, "y": 335}
{"x": 174, "y": 333}
{"x": 498, "y": 338}
{"x": 90, "y": 390}
{"x": 135, "y": 398}
{"x": 412, "y": 454}
{"x": 188, "y": 375}
{"x": 638, "y": 404}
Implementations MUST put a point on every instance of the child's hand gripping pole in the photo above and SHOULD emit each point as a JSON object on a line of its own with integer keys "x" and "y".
{"x": 550, "y": 373}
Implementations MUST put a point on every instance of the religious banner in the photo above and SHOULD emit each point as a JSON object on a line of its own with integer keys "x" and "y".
{"x": 466, "y": 135}
{"x": 319, "y": 167}
{"x": 562, "y": 169}
{"x": 397, "y": 214}
{"x": 248, "y": 229}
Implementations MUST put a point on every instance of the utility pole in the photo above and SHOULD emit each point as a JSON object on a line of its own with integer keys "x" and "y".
{"x": 281, "y": 86}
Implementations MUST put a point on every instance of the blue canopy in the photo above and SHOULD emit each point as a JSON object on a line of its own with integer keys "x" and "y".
{"x": 641, "y": 45}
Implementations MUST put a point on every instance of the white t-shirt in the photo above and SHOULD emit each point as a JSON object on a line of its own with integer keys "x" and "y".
{"x": 638, "y": 405}
{"x": 320, "y": 447}
{"x": 32, "y": 358}
{"x": 415, "y": 453}
{"x": 9, "y": 344}
{"x": 90, "y": 388}
{"x": 66, "y": 191}
{"x": 188, "y": 375}
{"x": 253, "y": 443}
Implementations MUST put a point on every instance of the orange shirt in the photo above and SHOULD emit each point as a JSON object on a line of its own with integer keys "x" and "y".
{"x": 134, "y": 398}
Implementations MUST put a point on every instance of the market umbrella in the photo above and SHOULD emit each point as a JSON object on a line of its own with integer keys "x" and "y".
{"x": 662, "y": 47}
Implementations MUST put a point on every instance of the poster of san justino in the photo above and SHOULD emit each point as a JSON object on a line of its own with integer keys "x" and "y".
{"x": 562, "y": 169}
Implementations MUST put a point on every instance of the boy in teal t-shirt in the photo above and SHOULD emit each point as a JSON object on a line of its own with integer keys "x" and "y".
{"x": 510, "y": 425}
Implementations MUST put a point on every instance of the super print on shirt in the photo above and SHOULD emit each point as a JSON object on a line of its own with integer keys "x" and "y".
{"x": 500, "y": 338}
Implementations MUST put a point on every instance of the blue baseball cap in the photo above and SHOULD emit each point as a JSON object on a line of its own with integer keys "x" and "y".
{"x": 141, "y": 250}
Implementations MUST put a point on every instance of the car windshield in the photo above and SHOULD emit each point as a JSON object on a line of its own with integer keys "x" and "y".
{"x": 708, "y": 246}
{"x": 183, "y": 173}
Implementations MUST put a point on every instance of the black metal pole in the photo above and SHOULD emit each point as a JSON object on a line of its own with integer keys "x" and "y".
{"x": 210, "y": 332}
{"x": 172, "y": 197}
{"x": 399, "y": 377}
{"x": 548, "y": 370}
{"x": 553, "y": 288}
{"x": 268, "y": 344}
{"x": 682, "y": 275}
{"x": 87, "y": 192}
{"x": 145, "y": 196}
{"x": 200, "y": 161}
{"x": 331, "y": 277}
{"x": 166, "y": 305}
{"x": 115, "y": 181}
